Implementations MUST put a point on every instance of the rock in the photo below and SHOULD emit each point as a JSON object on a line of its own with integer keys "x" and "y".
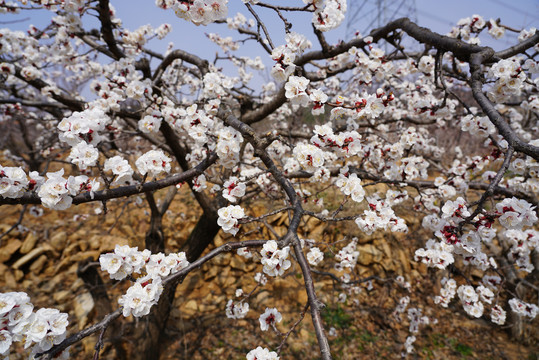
{"x": 94, "y": 254}
{"x": 221, "y": 260}
{"x": 4, "y": 228}
{"x": 29, "y": 243}
{"x": 82, "y": 305}
{"x": 301, "y": 297}
{"x": 83, "y": 245}
{"x": 27, "y": 283}
{"x": 317, "y": 232}
{"x": 238, "y": 264}
{"x": 9, "y": 278}
{"x": 52, "y": 285}
{"x": 218, "y": 240}
{"x": 405, "y": 261}
{"x": 369, "y": 254}
{"x": 109, "y": 242}
{"x": 128, "y": 230}
{"x": 12, "y": 246}
{"x": 71, "y": 248}
{"x": 30, "y": 256}
{"x": 225, "y": 280}
{"x": 12, "y": 234}
{"x": 95, "y": 242}
{"x": 58, "y": 241}
{"x": 211, "y": 273}
{"x": 37, "y": 266}
{"x": 388, "y": 264}
{"x": 62, "y": 296}
{"x": 18, "y": 275}
{"x": 262, "y": 297}
{"x": 283, "y": 219}
{"x": 190, "y": 307}
{"x": 77, "y": 284}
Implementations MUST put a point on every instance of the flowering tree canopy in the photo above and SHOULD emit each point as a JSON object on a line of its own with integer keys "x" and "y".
{"x": 398, "y": 120}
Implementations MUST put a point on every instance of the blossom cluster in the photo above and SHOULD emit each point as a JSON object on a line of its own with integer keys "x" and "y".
{"x": 262, "y": 354}
{"x": 348, "y": 142}
{"x": 150, "y": 123}
{"x": 510, "y": 79}
{"x": 523, "y": 308}
{"x": 470, "y": 301}
{"x": 19, "y": 323}
{"x": 435, "y": 254}
{"x": 350, "y": 185}
{"x": 14, "y": 183}
{"x": 195, "y": 121}
{"x": 522, "y": 244}
{"x": 83, "y": 155}
{"x": 309, "y": 156}
{"x": 285, "y": 55}
{"x": 480, "y": 126}
{"x": 228, "y": 146}
{"x": 269, "y": 318}
{"x": 153, "y": 163}
{"x": 236, "y": 310}
{"x": 121, "y": 169}
{"x": 233, "y": 189}
{"x": 228, "y": 218}
{"x": 216, "y": 84}
{"x": 275, "y": 260}
{"x": 315, "y": 256}
{"x": 380, "y": 215}
{"x": 328, "y": 14}
{"x": 516, "y": 213}
{"x": 85, "y": 126}
{"x": 295, "y": 90}
{"x": 57, "y": 192}
{"x": 348, "y": 255}
{"x": 467, "y": 26}
{"x": 145, "y": 293}
{"x": 401, "y": 307}
{"x": 447, "y": 293}
{"x": 415, "y": 319}
{"x": 200, "y": 12}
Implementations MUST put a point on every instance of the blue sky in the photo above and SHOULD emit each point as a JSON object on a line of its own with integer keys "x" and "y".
{"x": 434, "y": 14}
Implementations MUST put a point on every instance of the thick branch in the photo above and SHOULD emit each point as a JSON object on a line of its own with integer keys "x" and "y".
{"x": 106, "y": 29}
{"x": 123, "y": 191}
{"x": 519, "y": 48}
{"x": 182, "y": 55}
{"x": 495, "y": 117}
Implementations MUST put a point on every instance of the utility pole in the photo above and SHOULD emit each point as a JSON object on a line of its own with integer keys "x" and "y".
{"x": 365, "y": 15}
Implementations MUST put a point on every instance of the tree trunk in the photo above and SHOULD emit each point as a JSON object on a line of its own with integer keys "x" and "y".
{"x": 149, "y": 335}
{"x": 102, "y": 305}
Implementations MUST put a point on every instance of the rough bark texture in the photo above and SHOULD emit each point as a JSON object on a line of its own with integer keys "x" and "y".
{"x": 93, "y": 282}
{"x": 149, "y": 334}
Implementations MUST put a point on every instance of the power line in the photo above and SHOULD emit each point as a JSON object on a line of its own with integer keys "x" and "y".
{"x": 376, "y": 12}
{"x": 507, "y": 6}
